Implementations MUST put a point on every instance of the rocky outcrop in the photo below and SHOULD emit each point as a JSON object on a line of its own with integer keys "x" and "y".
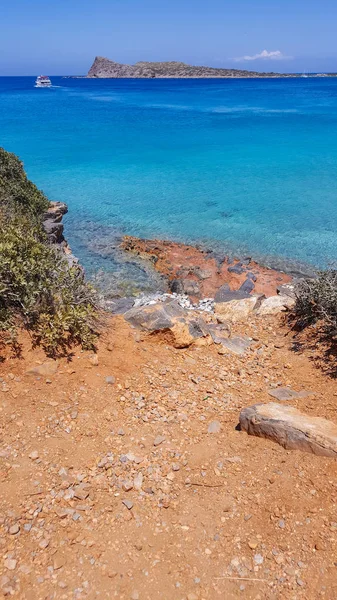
{"x": 52, "y": 222}
{"x": 290, "y": 428}
{"x": 202, "y": 273}
{"x": 53, "y": 227}
{"x": 106, "y": 68}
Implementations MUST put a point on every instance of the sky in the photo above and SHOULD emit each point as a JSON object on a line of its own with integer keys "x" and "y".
{"x": 62, "y": 37}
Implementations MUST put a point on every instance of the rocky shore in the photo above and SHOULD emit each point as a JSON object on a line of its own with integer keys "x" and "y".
{"x": 200, "y": 274}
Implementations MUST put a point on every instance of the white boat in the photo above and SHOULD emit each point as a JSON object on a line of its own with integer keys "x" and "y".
{"x": 42, "y": 81}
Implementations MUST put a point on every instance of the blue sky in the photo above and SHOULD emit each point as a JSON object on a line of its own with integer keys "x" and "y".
{"x": 63, "y": 36}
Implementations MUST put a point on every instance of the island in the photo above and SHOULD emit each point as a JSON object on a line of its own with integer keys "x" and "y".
{"x": 106, "y": 68}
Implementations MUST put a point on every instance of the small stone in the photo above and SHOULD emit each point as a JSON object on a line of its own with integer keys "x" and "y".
{"x": 281, "y": 524}
{"x": 93, "y": 359}
{"x": 10, "y": 564}
{"x": 192, "y": 596}
{"x": 258, "y": 559}
{"x": 59, "y": 562}
{"x": 34, "y": 455}
{"x": 138, "y": 481}
{"x": 227, "y": 504}
{"x": 159, "y": 440}
{"x": 14, "y": 529}
{"x": 76, "y": 516}
{"x": 214, "y": 427}
{"x": 44, "y": 544}
{"x": 134, "y": 595}
{"x": 127, "y": 486}
{"x": 80, "y": 492}
{"x": 128, "y": 504}
{"x": 253, "y": 543}
{"x": 110, "y": 380}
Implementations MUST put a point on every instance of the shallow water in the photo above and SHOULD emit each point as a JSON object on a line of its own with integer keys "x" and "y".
{"x": 247, "y": 166}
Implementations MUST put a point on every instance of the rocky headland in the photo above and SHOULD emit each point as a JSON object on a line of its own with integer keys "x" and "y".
{"x": 105, "y": 68}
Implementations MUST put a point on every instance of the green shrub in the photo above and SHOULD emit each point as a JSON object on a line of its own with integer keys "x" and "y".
{"x": 17, "y": 193}
{"x": 38, "y": 288}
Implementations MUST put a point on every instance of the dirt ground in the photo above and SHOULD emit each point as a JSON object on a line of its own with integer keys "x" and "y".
{"x": 112, "y": 486}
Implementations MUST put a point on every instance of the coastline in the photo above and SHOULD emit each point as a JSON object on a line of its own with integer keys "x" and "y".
{"x": 194, "y": 271}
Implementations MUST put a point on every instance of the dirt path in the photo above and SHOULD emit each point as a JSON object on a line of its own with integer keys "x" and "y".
{"x": 113, "y": 488}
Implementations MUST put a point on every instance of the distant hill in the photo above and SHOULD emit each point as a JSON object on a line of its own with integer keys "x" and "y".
{"x": 105, "y": 68}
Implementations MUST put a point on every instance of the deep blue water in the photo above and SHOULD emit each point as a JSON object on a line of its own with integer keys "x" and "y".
{"x": 245, "y": 165}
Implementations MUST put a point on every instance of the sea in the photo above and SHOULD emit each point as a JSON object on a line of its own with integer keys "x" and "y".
{"x": 246, "y": 167}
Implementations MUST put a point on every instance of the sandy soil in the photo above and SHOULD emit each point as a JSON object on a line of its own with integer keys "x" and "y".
{"x": 113, "y": 488}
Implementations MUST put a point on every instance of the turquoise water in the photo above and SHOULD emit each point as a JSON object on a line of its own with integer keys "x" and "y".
{"x": 247, "y": 166}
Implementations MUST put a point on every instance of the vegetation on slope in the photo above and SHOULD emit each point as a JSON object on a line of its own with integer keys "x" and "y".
{"x": 316, "y": 308}
{"x": 38, "y": 289}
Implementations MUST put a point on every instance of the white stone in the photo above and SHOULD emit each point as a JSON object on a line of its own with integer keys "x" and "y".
{"x": 275, "y": 305}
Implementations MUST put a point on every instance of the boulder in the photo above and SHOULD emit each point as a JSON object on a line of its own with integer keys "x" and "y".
{"x": 119, "y": 306}
{"x": 225, "y": 294}
{"x": 236, "y": 310}
{"x": 184, "y": 327}
{"x": 290, "y": 428}
{"x": 155, "y": 317}
{"x": 185, "y": 333}
{"x": 275, "y": 305}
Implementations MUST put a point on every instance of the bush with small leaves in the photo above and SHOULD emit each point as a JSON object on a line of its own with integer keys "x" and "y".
{"x": 38, "y": 288}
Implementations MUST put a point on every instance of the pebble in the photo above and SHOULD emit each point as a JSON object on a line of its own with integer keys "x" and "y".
{"x": 128, "y": 504}
{"x": 214, "y": 427}
{"x": 14, "y": 529}
{"x": 127, "y": 486}
{"x": 34, "y": 455}
{"x": 10, "y": 564}
{"x": 258, "y": 559}
{"x": 110, "y": 380}
{"x": 138, "y": 481}
{"x": 93, "y": 359}
{"x": 159, "y": 440}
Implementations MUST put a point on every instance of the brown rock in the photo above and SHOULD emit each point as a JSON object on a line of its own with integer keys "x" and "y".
{"x": 44, "y": 370}
{"x": 290, "y": 428}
